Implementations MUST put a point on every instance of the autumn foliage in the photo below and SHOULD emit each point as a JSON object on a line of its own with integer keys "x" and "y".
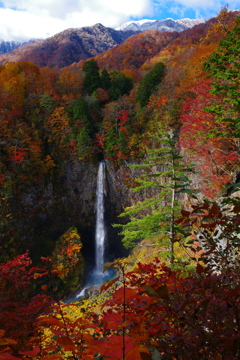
{"x": 178, "y": 313}
{"x": 20, "y": 305}
{"x": 214, "y": 156}
{"x": 53, "y": 118}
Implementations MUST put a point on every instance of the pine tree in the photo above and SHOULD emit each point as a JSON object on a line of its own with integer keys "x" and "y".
{"x": 163, "y": 179}
{"x": 105, "y": 79}
{"x": 149, "y": 82}
{"x": 92, "y": 79}
{"x": 80, "y": 112}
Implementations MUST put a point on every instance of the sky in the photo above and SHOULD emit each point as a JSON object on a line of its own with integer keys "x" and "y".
{"x": 22, "y": 20}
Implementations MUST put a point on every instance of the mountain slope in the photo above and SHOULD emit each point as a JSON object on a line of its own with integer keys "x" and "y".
{"x": 69, "y": 46}
{"x": 137, "y": 49}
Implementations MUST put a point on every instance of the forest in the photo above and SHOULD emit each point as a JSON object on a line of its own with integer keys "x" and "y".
{"x": 164, "y": 106}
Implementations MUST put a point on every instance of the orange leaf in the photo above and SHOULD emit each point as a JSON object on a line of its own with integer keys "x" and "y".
{"x": 5, "y": 341}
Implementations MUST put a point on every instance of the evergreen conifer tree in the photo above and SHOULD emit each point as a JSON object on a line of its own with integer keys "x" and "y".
{"x": 105, "y": 79}
{"x": 163, "y": 179}
{"x": 149, "y": 82}
{"x": 92, "y": 79}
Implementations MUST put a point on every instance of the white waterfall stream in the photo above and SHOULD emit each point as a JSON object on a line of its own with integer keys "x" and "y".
{"x": 96, "y": 276}
{"x": 100, "y": 233}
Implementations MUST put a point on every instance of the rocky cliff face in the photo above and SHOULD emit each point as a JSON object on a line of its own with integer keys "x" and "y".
{"x": 69, "y": 201}
{"x": 81, "y": 182}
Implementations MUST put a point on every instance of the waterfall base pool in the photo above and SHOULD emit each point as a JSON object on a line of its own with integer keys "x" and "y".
{"x": 96, "y": 278}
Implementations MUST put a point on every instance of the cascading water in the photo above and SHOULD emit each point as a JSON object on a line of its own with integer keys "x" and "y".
{"x": 96, "y": 276}
{"x": 100, "y": 233}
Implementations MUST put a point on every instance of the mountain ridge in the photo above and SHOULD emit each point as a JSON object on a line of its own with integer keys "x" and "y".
{"x": 68, "y": 46}
{"x": 129, "y": 28}
{"x": 168, "y": 24}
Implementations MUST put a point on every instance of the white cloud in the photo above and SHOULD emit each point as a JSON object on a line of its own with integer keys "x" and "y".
{"x": 26, "y": 19}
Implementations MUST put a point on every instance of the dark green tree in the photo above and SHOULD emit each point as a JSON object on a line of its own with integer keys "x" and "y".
{"x": 92, "y": 79}
{"x": 149, "y": 83}
{"x": 161, "y": 182}
{"x": 80, "y": 112}
{"x": 83, "y": 127}
{"x": 120, "y": 85}
{"x": 105, "y": 80}
{"x": 224, "y": 66}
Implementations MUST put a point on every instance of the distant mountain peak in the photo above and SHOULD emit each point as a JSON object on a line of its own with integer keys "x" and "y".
{"x": 7, "y": 46}
{"x": 168, "y": 24}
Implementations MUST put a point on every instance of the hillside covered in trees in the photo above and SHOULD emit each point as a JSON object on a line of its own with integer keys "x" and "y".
{"x": 68, "y": 46}
{"x": 162, "y": 110}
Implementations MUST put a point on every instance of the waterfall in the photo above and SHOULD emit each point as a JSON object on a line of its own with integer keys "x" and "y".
{"x": 100, "y": 233}
{"x": 96, "y": 277}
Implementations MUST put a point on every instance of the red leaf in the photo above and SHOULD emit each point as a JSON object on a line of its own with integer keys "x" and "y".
{"x": 129, "y": 294}
{"x": 185, "y": 213}
{"x": 7, "y": 356}
{"x": 112, "y": 320}
{"x": 65, "y": 342}
{"x": 113, "y": 346}
{"x": 53, "y": 321}
{"x": 32, "y": 353}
